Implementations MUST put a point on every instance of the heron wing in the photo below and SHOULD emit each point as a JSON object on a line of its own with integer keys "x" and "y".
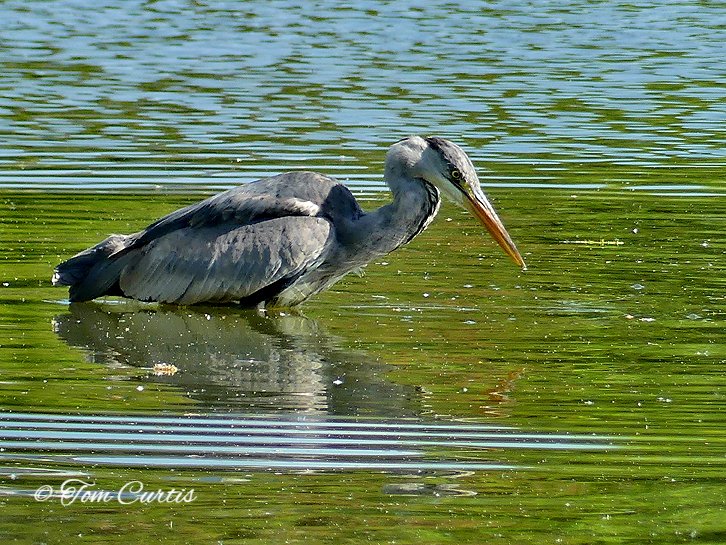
{"x": 229, "y": 262}
{"x": 289, "y": 194}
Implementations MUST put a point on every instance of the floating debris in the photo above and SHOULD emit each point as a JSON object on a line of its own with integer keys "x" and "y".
{"x": 601, "y": 242}
{"x": 643, "y": 319}
{"x": 164, "y": 369}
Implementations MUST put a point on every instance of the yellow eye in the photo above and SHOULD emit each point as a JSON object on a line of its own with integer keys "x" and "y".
{"x": 456, "y": 174}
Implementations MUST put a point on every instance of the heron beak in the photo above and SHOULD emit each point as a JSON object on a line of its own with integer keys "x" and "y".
{"x": 477, "y": 203}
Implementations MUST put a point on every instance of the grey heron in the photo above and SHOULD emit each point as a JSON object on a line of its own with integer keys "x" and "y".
{"x": 280, "y": 240}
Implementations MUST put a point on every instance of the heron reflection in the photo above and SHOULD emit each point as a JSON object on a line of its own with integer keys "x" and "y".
{"x": 237, "y": 358}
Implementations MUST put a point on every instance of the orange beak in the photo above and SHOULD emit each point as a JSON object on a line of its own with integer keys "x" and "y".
{"x": 477, "y": 203}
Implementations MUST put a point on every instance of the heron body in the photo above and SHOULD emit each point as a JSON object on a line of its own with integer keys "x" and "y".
{"x": 279, "y": 240}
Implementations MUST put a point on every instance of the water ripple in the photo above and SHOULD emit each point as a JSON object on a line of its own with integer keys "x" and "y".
{"x": 289, "y": 84}
{"x": 274, "y": 442}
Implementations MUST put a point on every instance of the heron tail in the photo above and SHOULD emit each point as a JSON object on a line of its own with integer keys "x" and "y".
{"x": 94, "y": 272}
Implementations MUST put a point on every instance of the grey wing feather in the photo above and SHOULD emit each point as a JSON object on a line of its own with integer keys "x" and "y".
{"x": 215, "y": 263}
{"x": 290, "y": 194}
{"x": 174, "y": 258}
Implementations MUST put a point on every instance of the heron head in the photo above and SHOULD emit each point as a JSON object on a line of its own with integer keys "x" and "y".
{"x": 445, "y": 165}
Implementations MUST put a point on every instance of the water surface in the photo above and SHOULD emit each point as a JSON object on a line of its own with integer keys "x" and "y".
{"x": 445, "y": 396}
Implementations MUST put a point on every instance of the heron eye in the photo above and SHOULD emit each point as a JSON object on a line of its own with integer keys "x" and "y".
{"x": 456, "y": 174}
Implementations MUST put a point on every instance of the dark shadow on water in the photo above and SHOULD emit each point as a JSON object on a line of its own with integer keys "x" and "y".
{"x": 239, "y": 359}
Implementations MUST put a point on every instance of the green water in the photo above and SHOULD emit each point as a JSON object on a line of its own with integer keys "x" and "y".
{"x": 443, "y": 397}
{"x": 618, "y": 335}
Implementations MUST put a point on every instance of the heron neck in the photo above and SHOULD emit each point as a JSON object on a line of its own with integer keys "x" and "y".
{"x": 415, "y": 203}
